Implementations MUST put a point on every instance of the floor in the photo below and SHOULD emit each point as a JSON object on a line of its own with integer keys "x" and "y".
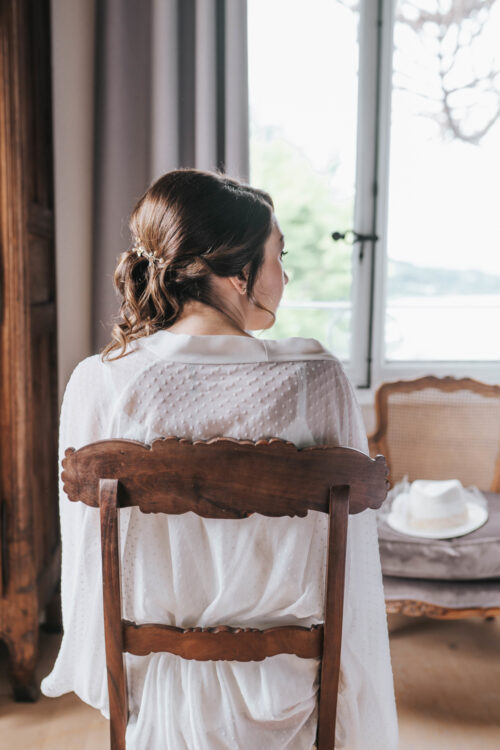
{"x": 447, "y": 678}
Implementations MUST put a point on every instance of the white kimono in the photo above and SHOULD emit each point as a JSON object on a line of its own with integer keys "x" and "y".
{"x": 189, "y": 571}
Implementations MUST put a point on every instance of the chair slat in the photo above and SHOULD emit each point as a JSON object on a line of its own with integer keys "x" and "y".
{"x": 225, "y": 478}
{"x": 222, "y": 642}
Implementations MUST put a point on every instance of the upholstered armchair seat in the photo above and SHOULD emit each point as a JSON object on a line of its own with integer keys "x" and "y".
{"x": 470, "y": 557}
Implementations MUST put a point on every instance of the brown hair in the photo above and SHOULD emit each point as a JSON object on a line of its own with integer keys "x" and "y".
{"x": 198, "y": 223}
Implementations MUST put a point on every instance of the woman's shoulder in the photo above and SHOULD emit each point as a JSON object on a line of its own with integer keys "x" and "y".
{"x": 94, "y": 368}
{"x": 86, "y": 368}
{"x": 87, "y": 379}
{"x": 97, "y": 380}
{"x": 298, "y": 347}
{"x": 323, "y": 367}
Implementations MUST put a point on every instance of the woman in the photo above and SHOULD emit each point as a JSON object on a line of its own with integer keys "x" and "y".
{"x": 205, "y": 269}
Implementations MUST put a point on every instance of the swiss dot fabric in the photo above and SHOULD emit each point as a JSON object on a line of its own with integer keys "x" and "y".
{"x": 188, "y": 571}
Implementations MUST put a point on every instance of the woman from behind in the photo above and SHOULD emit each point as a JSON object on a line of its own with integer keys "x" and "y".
{"x": 204, "y": 270}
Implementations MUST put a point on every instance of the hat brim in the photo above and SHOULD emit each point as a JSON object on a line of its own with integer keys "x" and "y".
{"x": 478, "y": 515}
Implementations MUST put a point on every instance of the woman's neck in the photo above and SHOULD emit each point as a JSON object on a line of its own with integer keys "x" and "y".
{"x": 198, "y": 319}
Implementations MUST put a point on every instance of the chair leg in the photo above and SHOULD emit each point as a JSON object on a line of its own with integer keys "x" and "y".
{"x": 116, "y": 737}
{"x": 334, "y": 599}
{"x": 117, "y": 685}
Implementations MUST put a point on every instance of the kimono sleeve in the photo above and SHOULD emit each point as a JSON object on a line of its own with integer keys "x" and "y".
{"x": 367, "y": 709}
{"x": 82, "y": 420}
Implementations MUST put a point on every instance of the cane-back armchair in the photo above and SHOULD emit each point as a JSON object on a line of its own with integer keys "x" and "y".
{"x": 441, "y": 428}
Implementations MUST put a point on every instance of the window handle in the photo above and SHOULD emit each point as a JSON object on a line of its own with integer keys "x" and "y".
{"x": 356, "y": 237}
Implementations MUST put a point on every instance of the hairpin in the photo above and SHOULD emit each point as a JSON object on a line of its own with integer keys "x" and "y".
{"x": 140, "y": 250}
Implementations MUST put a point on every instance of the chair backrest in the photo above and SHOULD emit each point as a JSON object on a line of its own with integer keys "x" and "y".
{"x": 223, "y": 478}
{"x": 439, "y": 428}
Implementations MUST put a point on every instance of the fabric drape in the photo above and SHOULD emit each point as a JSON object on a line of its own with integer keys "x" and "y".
{"x": 171, "y": 88}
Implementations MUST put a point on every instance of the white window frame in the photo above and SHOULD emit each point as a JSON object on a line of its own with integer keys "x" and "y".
{"x": 368, "y": 367}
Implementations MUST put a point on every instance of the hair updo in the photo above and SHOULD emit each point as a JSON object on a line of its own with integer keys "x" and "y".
{"x": 196, "y": 224}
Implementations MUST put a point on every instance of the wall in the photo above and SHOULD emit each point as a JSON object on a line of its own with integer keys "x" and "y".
{"x": 73, "y": 115}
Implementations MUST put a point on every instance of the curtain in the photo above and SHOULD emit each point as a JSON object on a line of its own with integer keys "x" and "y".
{"x": 171, "y": 88}
{"x": 72, "y": 31}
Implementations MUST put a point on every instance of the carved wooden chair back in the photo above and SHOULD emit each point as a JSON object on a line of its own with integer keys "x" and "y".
{"x": 223, "y": 478}
{"x": 439, "y": 428}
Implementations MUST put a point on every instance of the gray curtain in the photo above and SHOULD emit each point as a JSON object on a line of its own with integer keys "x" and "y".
{"x": 171, "y": 87}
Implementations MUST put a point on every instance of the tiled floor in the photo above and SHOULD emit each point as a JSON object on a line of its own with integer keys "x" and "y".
{"x": 447, "y": 677}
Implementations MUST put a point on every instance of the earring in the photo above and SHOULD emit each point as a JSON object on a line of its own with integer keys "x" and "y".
{"x": 244, "y": 288}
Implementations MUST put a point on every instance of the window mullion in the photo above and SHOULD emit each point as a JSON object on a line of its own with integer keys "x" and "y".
{"x": 382, "y": 177}
{"x": 375, "y": 60}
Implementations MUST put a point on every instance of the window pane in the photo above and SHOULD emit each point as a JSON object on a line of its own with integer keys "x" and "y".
{"x": 443, "y": 284}
{"x": 303, "y": 60}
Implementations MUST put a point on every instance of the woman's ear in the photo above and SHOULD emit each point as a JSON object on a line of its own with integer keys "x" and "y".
{"x": 239, "y": 282}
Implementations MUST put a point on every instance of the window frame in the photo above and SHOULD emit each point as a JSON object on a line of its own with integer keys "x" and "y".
{"x": 367, "y": 367}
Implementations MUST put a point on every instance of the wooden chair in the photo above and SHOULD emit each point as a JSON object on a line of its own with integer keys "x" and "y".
{"x": 441, "y": 428}
{"x": 223, "y": 478}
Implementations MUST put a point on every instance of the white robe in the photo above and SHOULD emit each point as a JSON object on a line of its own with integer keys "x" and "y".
{"x": 188, "y": 571}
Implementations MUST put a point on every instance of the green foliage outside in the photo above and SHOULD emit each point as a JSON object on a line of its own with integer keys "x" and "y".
{"x": 319, "y": 268}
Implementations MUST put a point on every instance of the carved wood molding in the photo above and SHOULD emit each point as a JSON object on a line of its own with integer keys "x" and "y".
{"x": 223, "y": 642}
{"x": 415, "y": 608}
{"x": 175, "y": 475}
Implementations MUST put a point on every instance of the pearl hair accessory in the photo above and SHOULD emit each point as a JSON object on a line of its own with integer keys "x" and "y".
{"x": 140, "y": 250}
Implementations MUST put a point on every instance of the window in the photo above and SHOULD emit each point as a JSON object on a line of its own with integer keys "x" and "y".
{"x": 303, "y": 72}
{"x": 384, "y": 118}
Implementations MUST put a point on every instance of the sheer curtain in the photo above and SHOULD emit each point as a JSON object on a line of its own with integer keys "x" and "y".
{"x": 168, "y": 85}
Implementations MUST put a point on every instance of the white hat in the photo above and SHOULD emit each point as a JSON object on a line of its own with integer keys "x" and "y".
{"x": 437, "y": 509}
